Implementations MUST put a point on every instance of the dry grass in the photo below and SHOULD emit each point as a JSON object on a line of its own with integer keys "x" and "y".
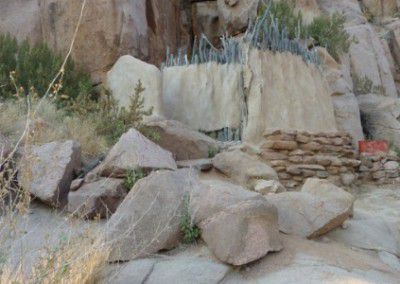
{"x": 74, "y": 261}
{"x": 51, "y": 124}
{"x": 77, "y": 260}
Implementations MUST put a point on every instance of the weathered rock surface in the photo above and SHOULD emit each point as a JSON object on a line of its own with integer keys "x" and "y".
{"x": 99, "y": 199}
{"x": 123, "y": 78}
{"x": 376, "y": 221}
{"x": 179, "y": 269}
{"x": 216, "y": 196}
{"x": 134, "y": 151}
{"x": 243, "y": 168}
{"x": 243, "y": 232}
{"x": 269, "y": 186}
{"x": 236, "y": 14}
{"x": 304, "y": 261}
{"x": 114, "y": 28}
{"x": 188, "y": 270}
{"x": 194, "y": 92}
{"x": 21, "y": 18}
{"x": 47, "y": 171}
{"x": 381, "y": 8}
{"x": 380, "y": 116}
{"x": 299, "y": 106}
{"x": 183, "y": 142}
{"x": 206, "y": 21}
{"x": 317, "y": 209}
{"x": 347, "y": 115}
{"x": 349, "y": 8}
{"x": 347, "y": 112}
{"x": 148, "y": 218}
{"x": 368, "y": 59}
{"x": 108, "y": 29}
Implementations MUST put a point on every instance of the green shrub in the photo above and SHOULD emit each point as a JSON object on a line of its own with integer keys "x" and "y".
{"x": 132, "y": 177}
{"x": 190, "y": 231}
{"x": 32, "y": 70}
{"x": 326, "y": 31}
{"x": 329, "y": 32}
{"x": 364, "y": 86}
{"x": 112, "y": 121}
{"x": 284, "y": 13}
{"x": 212, "y": 152}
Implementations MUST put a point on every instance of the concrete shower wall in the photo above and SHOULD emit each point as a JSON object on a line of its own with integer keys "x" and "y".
{"x": 283, "y": 92}
{"x": 279, "y": 91}
{"x": 206, "y": 97}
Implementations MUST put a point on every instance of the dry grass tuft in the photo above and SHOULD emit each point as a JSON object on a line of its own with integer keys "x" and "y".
{"x": 75, "y": 261}
{"x": 51, "y": 124}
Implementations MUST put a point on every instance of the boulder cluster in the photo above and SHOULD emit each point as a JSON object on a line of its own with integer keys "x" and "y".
{"x": 239, "y": 206}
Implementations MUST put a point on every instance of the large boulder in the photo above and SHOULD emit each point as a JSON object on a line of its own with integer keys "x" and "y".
{"x": 124, "y": 77}
{"x": 380, "y": 117}
{"x": 317, "y": 209}
{"x": 216, "y": 196}
{"x": 99, "y": 199}
{"x": 235, "y": 15}
{"x": 148, "y": 219}
{"x": 134, "y": 151}
{"x": 239, "y": 226}
{"x": 242, "y": 233}
{"x": 47, "y": 171}
{"x": 109, "y": 28}
{"x": 243, "y": 168}
{"x": 368, "y": 60}
{"x": 183, "y": 142}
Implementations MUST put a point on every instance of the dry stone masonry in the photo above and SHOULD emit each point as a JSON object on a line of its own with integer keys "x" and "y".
{"x": 381, "y": 169}
{"x": 296, "y": 156}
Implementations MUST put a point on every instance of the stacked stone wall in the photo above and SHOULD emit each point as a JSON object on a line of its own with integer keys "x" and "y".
{"x": 297, "y": 156}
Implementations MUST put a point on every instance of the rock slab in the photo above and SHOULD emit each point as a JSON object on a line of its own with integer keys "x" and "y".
{"x": 134, "y": 151}
{"x": 47, "y": 171}
{"x": 318, "y": 208}
{"x": 98, "y": 199}
{"x": 148, "y": 218}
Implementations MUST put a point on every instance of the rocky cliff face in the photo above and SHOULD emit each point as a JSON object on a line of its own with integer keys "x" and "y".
{"x": 147, "y": 28}
{"x": 108, "y": 30}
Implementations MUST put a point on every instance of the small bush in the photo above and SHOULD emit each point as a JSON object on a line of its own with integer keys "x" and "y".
{"x": 212, "y": 152}
{"x": 33, "y": 68}
{"x": 284, "y": 13}
{"x": 189, "y": 230}
{"x": 132, "y": 177}
{"x": 364, "y": 86}
{"x": 329, "y": 32}
{"x": 111, "y": 121}
{"x": 326, "y": 31}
